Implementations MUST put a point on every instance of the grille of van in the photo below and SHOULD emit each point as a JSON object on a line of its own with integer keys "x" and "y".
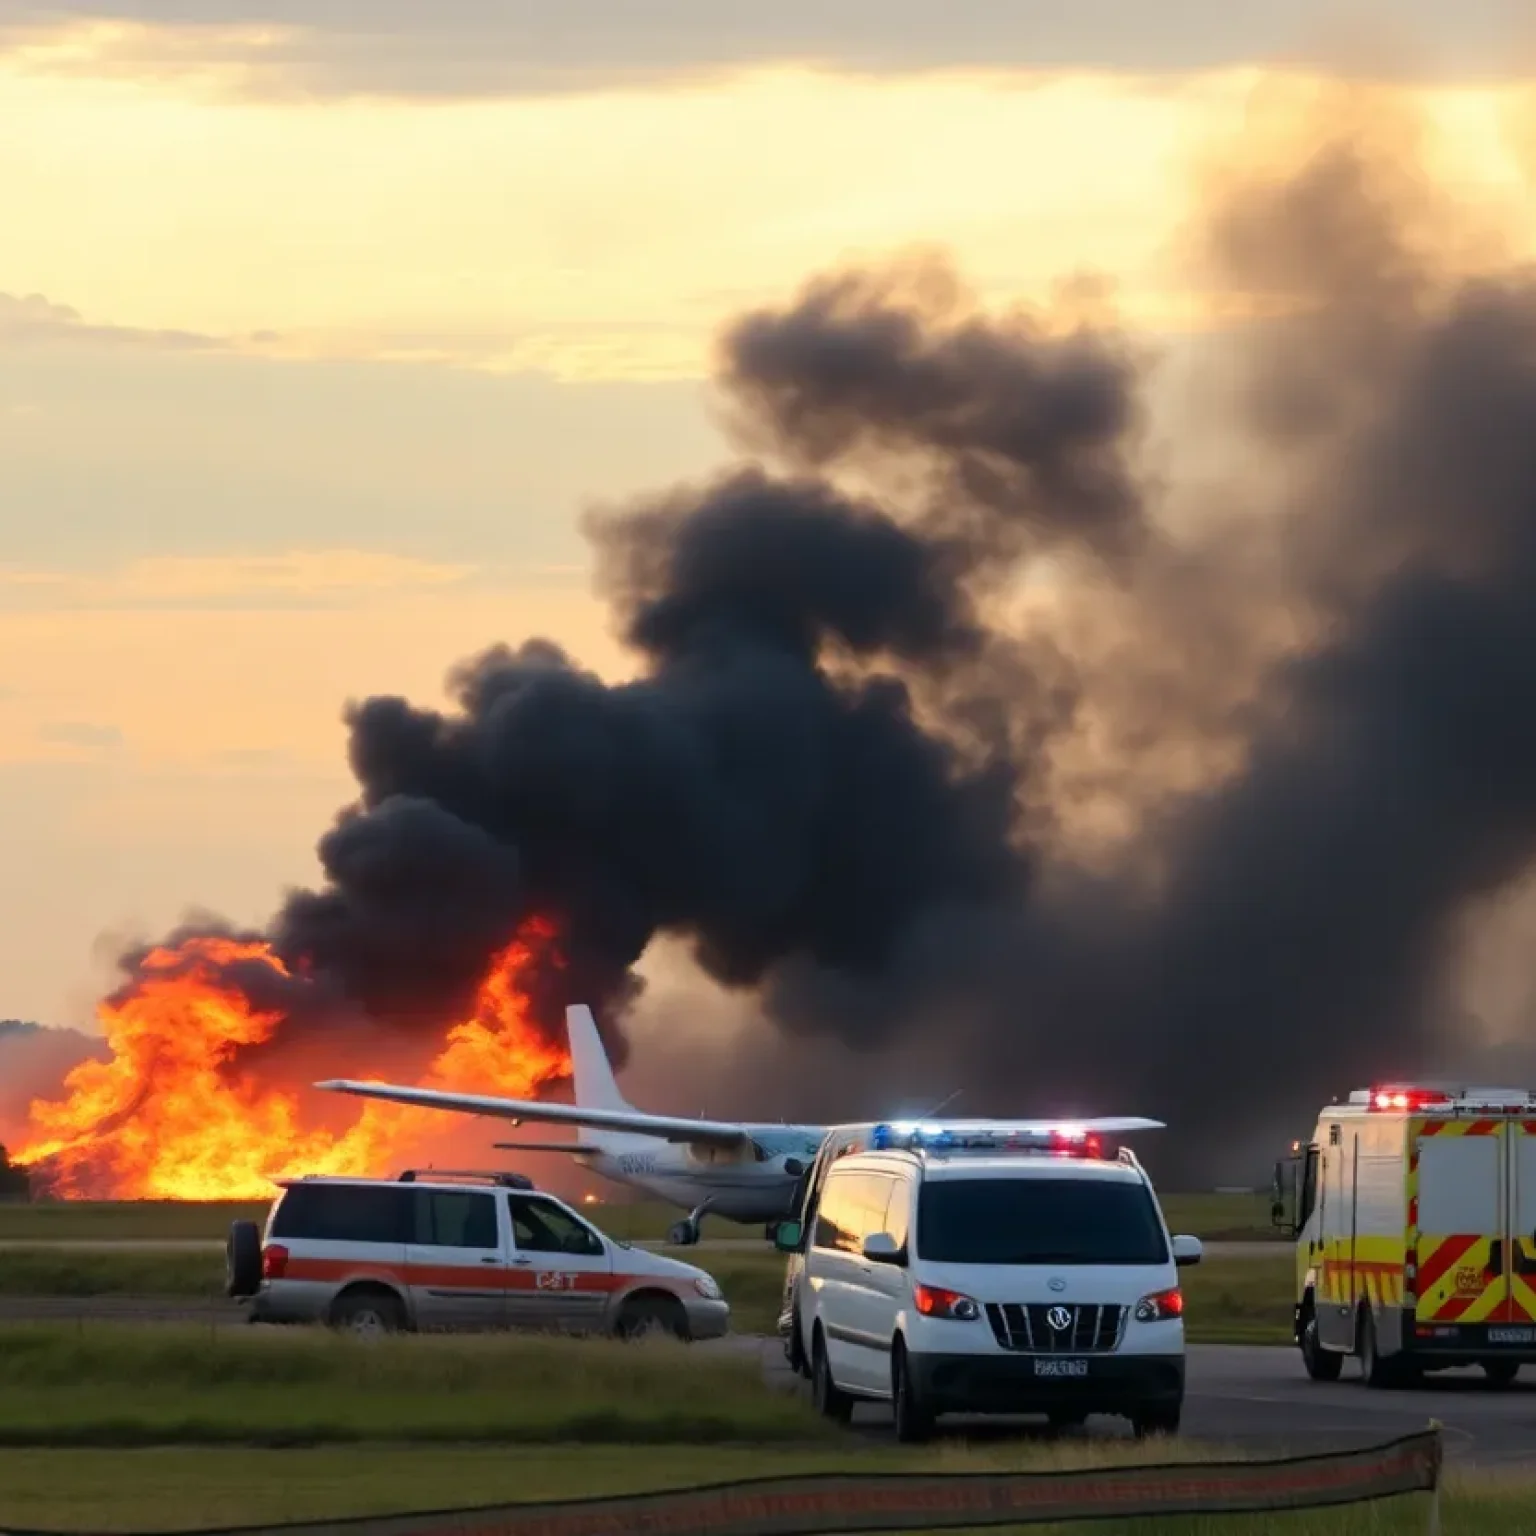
{"x": 1087, "y": 1330}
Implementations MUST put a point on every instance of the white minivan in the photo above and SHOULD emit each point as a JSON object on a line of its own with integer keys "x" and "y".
{"x": 990, "y": 1270}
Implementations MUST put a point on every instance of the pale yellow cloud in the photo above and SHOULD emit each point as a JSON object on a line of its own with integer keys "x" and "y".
{"x": 170, "y": 579}
{"x": 225, "y": 689}
{"x": 609, "y": 234}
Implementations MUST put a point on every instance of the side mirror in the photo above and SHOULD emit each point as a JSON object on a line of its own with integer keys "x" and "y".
{"x": 881, "y": 1248}
{"x": 787, "y": 1236}
{"x": 1187, "y": 1251}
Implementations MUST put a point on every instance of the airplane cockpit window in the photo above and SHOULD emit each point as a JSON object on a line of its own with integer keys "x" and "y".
{"x": 544, "y": 1228}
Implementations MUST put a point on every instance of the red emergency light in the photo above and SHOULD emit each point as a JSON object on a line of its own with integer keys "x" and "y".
{"x": 1389, "y": 1099}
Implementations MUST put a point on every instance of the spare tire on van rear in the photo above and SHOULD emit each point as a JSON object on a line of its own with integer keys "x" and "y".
{"x": 242, "y": 1259}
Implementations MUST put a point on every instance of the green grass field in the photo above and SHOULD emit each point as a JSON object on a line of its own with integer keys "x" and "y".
{"x": 174, "y": 1488}
{"x": 99, "y": 1384}
{"x": 1216, "y": 1218}
{"x": 1229, "y": 1300}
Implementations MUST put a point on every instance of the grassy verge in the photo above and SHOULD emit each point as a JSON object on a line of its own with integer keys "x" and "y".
{"x": 1230, "y": 1300}
{"x": 115, "y": 1221}
{"x": 96, "y": 1384}
{"x": 1217, "y": 1218}
{"x": 166, "y": 1490}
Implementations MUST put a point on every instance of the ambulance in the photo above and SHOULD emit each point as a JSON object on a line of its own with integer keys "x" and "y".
{"x": 1413, "y": 1210}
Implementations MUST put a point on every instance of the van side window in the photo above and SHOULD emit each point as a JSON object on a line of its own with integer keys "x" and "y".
{"x": 896, "y": 1212}
{"x": 836, "y": 1213}
{"x": 540, "y": 1226}
{"x": 344, "y": 1213}
{"x": 456, "y": 1219}
{"x": 874, "y": 1196}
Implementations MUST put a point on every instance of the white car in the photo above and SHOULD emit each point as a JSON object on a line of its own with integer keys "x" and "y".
{"x": 991, "y": 1271}
{"x": 447, "y": 1251}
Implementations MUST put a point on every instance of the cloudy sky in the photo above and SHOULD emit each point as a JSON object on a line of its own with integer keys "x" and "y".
{"x": 321, "y": 322}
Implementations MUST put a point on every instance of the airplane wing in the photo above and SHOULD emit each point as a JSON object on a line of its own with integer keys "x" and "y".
{"x": 575, "y": 1148}
{"x": 666, "y": 1127}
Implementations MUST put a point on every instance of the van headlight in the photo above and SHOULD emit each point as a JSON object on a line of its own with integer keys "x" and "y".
{"x": 708, "y": 1289}
{"x": 1161, "y": 1306}
{"x": 934, "y": 1301}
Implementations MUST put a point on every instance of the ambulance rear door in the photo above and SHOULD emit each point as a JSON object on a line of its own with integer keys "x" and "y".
{"x": 1457, "y": 1218}
{"x": 1520, "y": 1307}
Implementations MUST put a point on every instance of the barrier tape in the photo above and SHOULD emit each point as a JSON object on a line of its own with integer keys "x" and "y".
{"x": 904, "y": 1501}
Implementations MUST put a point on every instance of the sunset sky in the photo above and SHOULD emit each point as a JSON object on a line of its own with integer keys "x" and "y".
{"x": 322, "y": 320}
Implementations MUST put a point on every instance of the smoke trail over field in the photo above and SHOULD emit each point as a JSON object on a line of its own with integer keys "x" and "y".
{"x": 956, "y": 719}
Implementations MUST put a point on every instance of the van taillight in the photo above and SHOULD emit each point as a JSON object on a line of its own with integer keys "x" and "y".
{"x": 274, "y": 1261}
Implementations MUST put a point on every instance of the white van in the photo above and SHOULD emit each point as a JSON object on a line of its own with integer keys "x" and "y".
{"x": 991, "y": 1270}
{"x": 431, "y": 1251}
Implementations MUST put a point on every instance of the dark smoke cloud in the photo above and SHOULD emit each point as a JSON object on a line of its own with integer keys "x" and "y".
{"x": 956, "y": 720}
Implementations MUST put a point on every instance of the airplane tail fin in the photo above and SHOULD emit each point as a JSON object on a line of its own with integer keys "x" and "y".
{"x": 594, "y": 1080}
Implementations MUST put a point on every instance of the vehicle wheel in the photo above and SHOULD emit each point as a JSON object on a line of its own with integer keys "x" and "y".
{"x": 242, "y": 1259}
{"x": 794, "y": 1348}
{"x": 831, "y": 1401}
{"x": 1067, "y": 1418}
{"x": 1501, "y": 1373}
{"x": 1374, "y": 1371}
{"x": 648, "y": 1316}
{"x": 914, "y": 1419}
{"x": 1161, "y": 1419}
{"x": 1322, "y": 1364}
{"x": 368, "y": 1314}
{"x": 683, "y": 1234}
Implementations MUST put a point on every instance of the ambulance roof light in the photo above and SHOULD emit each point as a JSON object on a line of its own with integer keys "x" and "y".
{"x": 1390, "y": 1098}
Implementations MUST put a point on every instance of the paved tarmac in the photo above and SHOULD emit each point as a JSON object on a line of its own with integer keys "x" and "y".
{"x": 1219, "y": 1250}
{"x": 1252, "y": 1398}
{"x": 1258, "y": 1400}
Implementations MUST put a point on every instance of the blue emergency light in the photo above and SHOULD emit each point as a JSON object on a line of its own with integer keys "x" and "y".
{"x": 1069, "y": 1141}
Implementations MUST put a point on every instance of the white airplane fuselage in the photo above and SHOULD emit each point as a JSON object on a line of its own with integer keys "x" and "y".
{"x": 755, "y": 1184}
{"x": 745, "y": 1171}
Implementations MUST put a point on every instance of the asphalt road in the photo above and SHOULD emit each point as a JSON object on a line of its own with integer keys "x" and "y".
{"x": 1255, "y": 1399}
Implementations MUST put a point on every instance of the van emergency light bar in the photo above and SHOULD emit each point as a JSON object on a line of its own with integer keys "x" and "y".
{"x": 1076, "y": 1139}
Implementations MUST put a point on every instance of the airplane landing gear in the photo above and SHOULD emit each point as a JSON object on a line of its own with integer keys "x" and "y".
{"x": 685, "y": 1233}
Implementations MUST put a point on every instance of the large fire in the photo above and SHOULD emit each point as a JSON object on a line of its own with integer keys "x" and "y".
{"x": 174, "y": 1114}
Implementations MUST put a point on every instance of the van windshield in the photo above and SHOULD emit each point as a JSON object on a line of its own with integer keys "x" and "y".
{"x": 1039, "y": 1221}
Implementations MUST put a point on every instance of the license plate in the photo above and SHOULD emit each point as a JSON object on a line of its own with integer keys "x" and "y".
{"x": 1061, "y": 1367}
{"x": 1512, "y": 1335}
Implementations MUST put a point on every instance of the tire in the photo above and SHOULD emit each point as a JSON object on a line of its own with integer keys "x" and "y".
{"x": 794, "y": 1348}
{"x": 1374, "y": 1371}
{"x": 1158, "y": 1419}
{"x": 1501, "y": 1373}
{"x": 914, "y": 1419}
{"x": 242, "y": 1259}
{"x": 1321, "y": 1364}
{"x": 368, "y": 1314}
{"x": 646, "y": 1317}
{"x": 683, "y": 1234}
{"x": 830, "y": 1399}
{"x": 1067, "y": 1418}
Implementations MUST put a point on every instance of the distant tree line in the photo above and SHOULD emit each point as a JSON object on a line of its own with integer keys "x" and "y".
{"x": 14, "y": 1184}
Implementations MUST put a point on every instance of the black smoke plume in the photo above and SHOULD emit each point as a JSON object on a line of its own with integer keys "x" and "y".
{"x": 957, "y": 713}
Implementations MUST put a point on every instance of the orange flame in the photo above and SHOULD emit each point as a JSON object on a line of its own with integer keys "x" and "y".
{"x": 172, "y": 1115}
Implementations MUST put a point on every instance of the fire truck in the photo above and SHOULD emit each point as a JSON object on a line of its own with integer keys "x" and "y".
{"x": 1413, "y": 1210}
